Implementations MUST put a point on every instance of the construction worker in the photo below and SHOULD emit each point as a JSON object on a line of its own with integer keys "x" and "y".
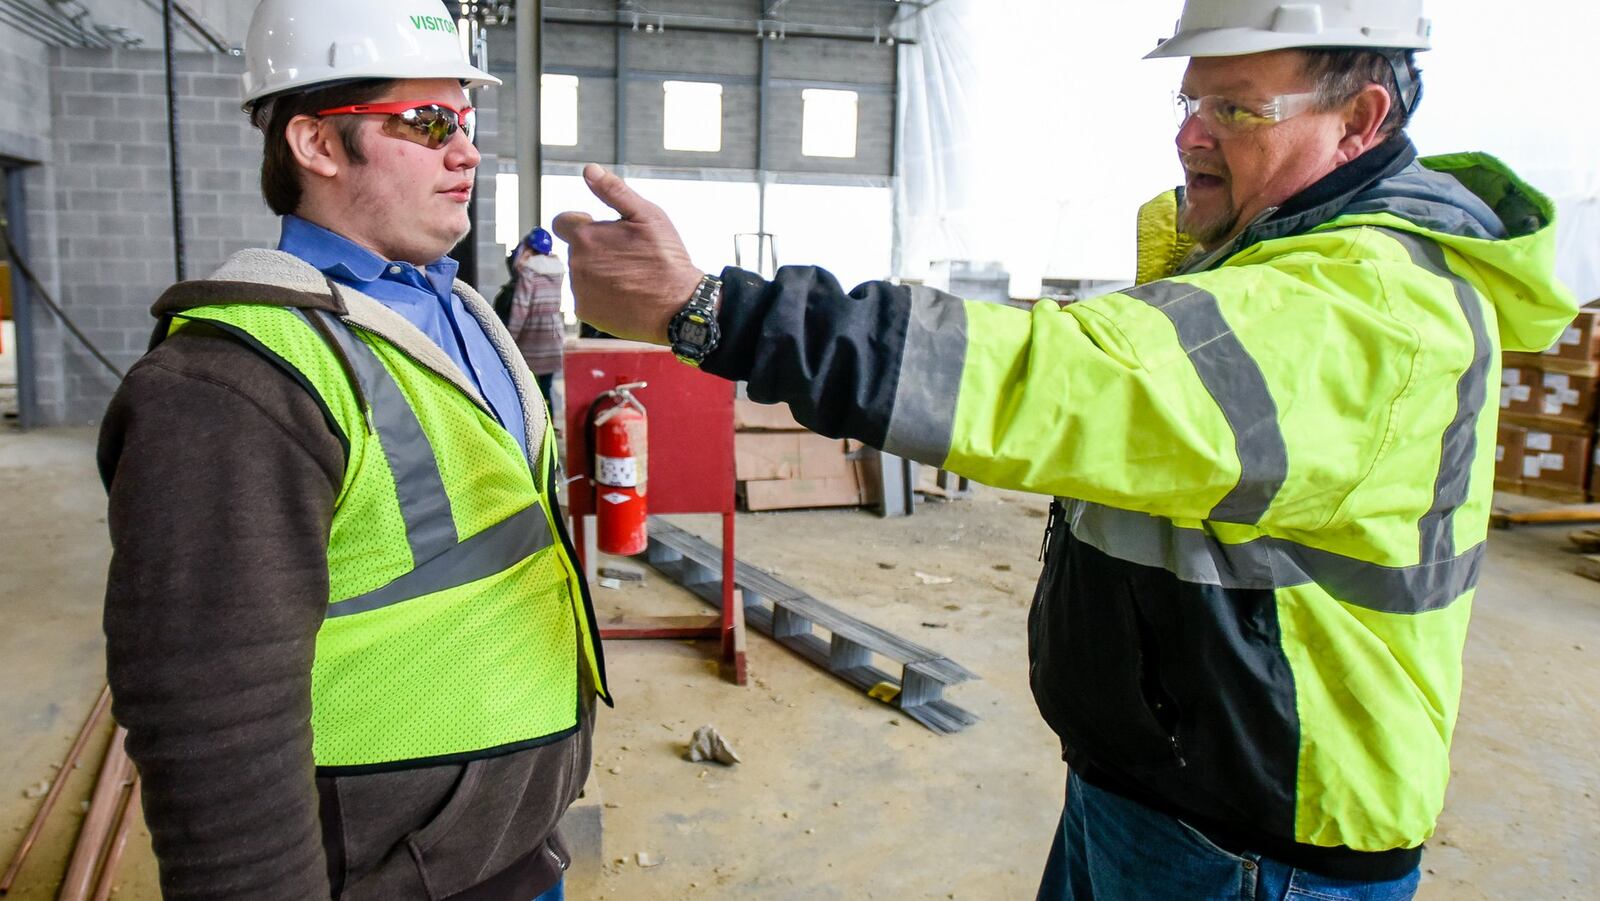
{"x": 344, "y": 628}
{"x": 534, "y": 316}
{"x": 1272, "y": 459}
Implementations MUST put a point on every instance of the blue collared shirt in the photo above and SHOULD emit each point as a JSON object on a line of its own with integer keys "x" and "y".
{"x": 423, "y": 297}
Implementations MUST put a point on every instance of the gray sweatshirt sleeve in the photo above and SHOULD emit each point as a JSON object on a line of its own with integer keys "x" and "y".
{"x": 222, "y": 474}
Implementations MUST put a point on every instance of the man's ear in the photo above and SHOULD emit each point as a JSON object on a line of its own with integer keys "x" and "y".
{"x": 315, "y": 145}
{"x": 1364, "y": 117}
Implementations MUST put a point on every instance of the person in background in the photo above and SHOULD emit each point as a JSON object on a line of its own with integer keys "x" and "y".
{"x": 534, "y": 317}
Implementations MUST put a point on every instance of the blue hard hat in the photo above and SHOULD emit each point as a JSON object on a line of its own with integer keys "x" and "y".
{"x": 539, "y": 241}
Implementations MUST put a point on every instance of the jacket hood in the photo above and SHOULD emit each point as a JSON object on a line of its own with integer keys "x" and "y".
{"x": 254, "y": 276}
{"x": 1475, "y": 205}
{"x": 1470, "y": 202}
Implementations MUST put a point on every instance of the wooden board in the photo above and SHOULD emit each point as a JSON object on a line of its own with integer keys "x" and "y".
{"x": 789, "y": 494}
{"x": 1588, "y": 368}
{"x": 1589, "y": 567}
{"x": 751, "y": 416}
{"x": 1563, "y": 493}
{"x": 1586, "y": 540}
{"x": 760, "y": 456}
{"x": 1501, "y": 519}
{"x": 684, "y": 627}
{"x": 1554, "y": 424}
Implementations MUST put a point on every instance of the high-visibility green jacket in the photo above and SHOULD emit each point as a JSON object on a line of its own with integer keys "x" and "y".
{"x": 1273, "y": 465}
{"x": 457, "y": 620}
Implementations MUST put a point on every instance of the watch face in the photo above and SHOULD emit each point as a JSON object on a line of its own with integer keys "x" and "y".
{"x": 694, "y": 331}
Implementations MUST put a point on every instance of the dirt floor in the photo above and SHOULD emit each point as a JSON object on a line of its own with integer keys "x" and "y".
{"x": 840, "y": 796}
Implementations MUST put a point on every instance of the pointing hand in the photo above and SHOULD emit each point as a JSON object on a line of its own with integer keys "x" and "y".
{"x": 629, "y": 275}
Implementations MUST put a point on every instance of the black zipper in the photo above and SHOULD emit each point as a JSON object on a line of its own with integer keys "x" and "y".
{"x": 1163, "y": 708}
{"x": 1058, "y": 516}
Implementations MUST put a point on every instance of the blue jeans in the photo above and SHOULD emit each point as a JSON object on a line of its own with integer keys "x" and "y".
{"x": 557, "y": 893}
{"x": 1108, "y": 848}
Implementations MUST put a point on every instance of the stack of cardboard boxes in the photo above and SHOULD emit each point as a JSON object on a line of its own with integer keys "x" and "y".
{"x": 1546, "y": 445}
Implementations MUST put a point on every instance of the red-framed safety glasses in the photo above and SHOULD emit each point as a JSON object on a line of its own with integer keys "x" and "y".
{"x": 428, "y": 123}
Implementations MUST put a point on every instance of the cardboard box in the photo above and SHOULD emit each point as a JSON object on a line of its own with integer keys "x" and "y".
{"x": 1518, "y": 387}
{"x": 1556, "y": 461}
{"x": 1594, "y": 474}
{"x": 1509, "y": 446}
{"x": 761, "y": 456}
{"x": 1570, "y": 398}
{"x": 1581, "y": 340}
{"x": 749, "y": 415}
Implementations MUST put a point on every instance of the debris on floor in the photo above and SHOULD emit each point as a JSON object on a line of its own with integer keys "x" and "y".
{"x": 620, "y": 574}
{"x": 708, "y": 744}
{"x": 930, "y": 579}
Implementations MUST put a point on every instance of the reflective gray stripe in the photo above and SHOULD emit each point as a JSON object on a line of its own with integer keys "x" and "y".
{"x": 493, "y": 550}
{"x": 424, "y": 505}
{"x": 1270, "y": 563}
{"x": 1472, "y": 391}
{"x": 1236, "y": 383}
{"x": 924, "y": 414}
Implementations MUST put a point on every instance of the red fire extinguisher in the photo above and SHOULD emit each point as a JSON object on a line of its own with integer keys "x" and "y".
{"x": 621, "y": 464}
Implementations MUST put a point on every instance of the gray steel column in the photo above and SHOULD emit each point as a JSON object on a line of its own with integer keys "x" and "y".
{"x": 619, "y": 137}
{"x": 174, "y": 159}
{"x": 21, "y": 302}
{"x": 763, "y": 112}
{"x": 530, "y": 143}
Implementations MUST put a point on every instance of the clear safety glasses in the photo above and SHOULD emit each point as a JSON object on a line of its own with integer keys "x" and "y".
{"x": 1224, "y": 117}
{"x": 429, "y": 124}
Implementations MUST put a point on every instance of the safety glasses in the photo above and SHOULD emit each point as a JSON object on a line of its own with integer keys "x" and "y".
{"x": 429, "y": 124}
{"x": 1224, "y": 117}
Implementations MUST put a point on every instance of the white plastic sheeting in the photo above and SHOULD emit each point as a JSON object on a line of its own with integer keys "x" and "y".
{"x": 1031, "y": 130}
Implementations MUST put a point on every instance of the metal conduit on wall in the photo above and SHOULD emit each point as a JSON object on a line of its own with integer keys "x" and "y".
{"x": 638, "y": 18}
{"x": 45, "y": 23}
{"x": 49, "y": 25}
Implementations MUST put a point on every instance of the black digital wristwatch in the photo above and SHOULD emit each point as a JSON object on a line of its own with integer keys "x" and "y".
{"x": 693, "y": 332}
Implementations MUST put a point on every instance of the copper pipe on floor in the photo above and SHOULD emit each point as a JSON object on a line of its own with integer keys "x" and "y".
{"x": 103, "y": 806}
{"x": 119, "y": 842}
{"x": 55, "y": 790}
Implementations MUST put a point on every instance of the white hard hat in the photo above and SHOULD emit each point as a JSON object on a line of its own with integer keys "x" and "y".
{"x": 1240, "y": 27}
{"x": 298, "y": 44}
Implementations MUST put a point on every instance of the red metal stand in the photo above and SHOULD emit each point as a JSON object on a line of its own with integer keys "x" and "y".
{"x": 689, "y": 468}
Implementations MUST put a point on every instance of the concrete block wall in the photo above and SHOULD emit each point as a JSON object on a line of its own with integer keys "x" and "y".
{"x": 591, "y": 51}
{"x": 868, "y": 69}
{"x": 110, "y": 204}
{"x": 25, "y": 142}
{"x": 24, "y": 128}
